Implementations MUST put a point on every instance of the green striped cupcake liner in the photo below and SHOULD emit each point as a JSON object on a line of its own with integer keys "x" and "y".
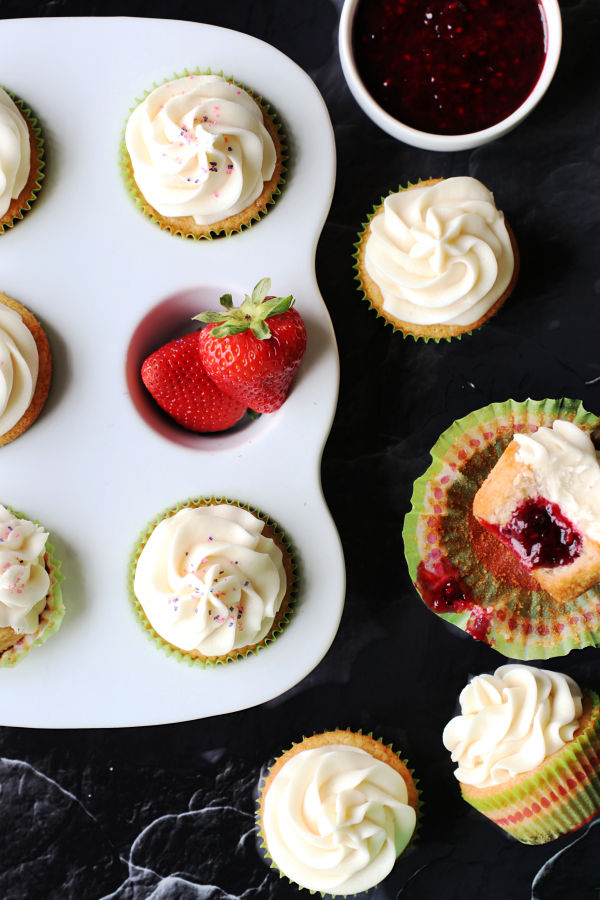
{"x": 518, "y": 620}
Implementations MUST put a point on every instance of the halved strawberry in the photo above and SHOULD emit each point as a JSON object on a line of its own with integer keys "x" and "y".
{"x": 177, "y": 380}
{"x": 249, "y": 358}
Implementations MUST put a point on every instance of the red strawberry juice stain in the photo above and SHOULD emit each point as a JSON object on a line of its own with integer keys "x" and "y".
{"x": 449, "y": 66}
{"x": 540, "y": 535}
{"x": 444, "y": 591}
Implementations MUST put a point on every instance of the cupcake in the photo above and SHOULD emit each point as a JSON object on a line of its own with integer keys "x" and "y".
{"x": 437, "y": 259}
{"x": 471, "y": 578}
{"x": 527, "y": 744}
{"x": 542, "y": 500}
{"x": 31, "y": 606}
{"x": 25, "y": 369}
{"x": 202, "y": 156}
{"x": 336, "y": 811}
{"x": 213, "y": 580}
{"x": 21, "y": 160}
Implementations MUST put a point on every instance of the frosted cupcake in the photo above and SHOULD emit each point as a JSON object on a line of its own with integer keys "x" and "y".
{"x": 527, "y": 744}
{"x": 213, "y": 581}
{"x": 21, "y": 160}
{"x": 25, "y": 369}
{"x": 467, "y": 575}
{"x": 336, "y": 811}
{"x": 437, "y": 259}
{"x": 31, "y": 605}
{"x": 202, "y": 156}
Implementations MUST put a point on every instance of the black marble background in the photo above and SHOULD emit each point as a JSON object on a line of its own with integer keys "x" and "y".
{"x": 167, "y": 812}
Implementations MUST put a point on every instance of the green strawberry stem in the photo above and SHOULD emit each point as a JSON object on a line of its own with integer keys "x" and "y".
{"x": 251, "y": 315}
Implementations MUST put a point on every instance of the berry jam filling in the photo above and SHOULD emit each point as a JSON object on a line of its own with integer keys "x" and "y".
{"x": 540, "y": 535}
{"x": 449, "y": 66}
{"x": 444, "y": 591}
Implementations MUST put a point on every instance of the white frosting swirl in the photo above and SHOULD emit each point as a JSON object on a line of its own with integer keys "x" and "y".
{"x": 24, "y": 580}
{"x": 19, "y": 364}
{"x": 511, "y": 722}
{"x": 15, "y": 152}
{"x": 335, "y": 819}
{"x": 440, "y": 254}
{"x": 565, "y": 468}
{"x": 199, "y": 148}
{"x": 209, "y": 581}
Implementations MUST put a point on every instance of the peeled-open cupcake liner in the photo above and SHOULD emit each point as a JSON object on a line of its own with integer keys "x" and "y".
{"x": 520, "y": 622}
{"x": 281, "y": 620}
{"x": 559, "y": 797}
{"x": 216, "y": 230}
{"x": 50, "y": 617}
{"x": 277, "y": 762}
{"x": 33, "y": 186}
{"x": 405, "y": 329}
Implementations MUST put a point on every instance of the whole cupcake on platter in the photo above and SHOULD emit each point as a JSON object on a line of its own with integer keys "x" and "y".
{"x": 503, "y": 539}
{"x": 527, "y": 744}
{"x": 437, "y": 259}
{"x": 212, "y": 580}
{"x": 25, "y": 369}
{"x": 31, "y": 606}
{"x": 336, "y": 811}
{"x": 202, "y": 156}
{"x": 21, "y": 159}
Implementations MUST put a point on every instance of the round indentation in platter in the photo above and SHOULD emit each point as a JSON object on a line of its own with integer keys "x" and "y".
{"x": 168, "y": 320}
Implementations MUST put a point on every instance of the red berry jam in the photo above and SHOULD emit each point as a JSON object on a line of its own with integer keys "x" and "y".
{"x": 444, "y": 591}
{"x": 449, "y": 66}
{"x": 540, "y": 535}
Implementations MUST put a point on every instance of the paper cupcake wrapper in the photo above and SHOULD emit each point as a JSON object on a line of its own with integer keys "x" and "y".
{"x": 34, "y": 185}
{"x": 417, "y": 802}
{"x": 216, "y": 230}
{"x": 50, "y": 617}
{"x": 559, "y": 797}
{"x": 281, "y": 620}
{"x": 440, "y": 535}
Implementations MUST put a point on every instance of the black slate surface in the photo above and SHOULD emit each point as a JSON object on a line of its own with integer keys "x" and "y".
{"x": 167, "y": 812}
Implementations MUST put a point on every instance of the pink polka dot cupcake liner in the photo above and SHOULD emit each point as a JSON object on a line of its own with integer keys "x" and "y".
{"x": 460, "y": 571}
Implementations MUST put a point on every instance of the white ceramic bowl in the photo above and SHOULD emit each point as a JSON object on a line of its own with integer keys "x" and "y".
{"x": 425, "y": 140}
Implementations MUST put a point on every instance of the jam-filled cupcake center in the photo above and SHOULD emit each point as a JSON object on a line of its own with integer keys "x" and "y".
{"x": 540, "y": 535}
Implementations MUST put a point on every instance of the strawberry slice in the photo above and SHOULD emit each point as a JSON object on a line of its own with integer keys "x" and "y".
{"x": 177, "y": 380}
{"x": 253, "y": 351}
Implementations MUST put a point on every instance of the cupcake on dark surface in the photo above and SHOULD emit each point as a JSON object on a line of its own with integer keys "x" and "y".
{"x": 202, "y": 156}
{"x": 527, "y": 744}
{"x": 463, "y": 572}
{"x": 336, "y": 811}
{"x": 437, "y": 259}
{"x": 213, "y": 580}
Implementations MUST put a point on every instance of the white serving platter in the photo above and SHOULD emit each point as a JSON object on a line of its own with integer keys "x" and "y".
{"x": 106, "y": 283}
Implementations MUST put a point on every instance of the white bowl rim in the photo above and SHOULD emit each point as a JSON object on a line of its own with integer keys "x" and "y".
{"x": 426, "y": 140}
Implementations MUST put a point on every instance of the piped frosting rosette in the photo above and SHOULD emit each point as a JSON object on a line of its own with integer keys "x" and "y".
{"x": 21, "y": 159}
{"x": 202, "y": 156}
{"x": 31, "y": 605}
{"x": 212, "y": 580}
{"x": 463, "y": 573}
{"x": 527, "y": 745}
{"x": 336, "y": 811}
